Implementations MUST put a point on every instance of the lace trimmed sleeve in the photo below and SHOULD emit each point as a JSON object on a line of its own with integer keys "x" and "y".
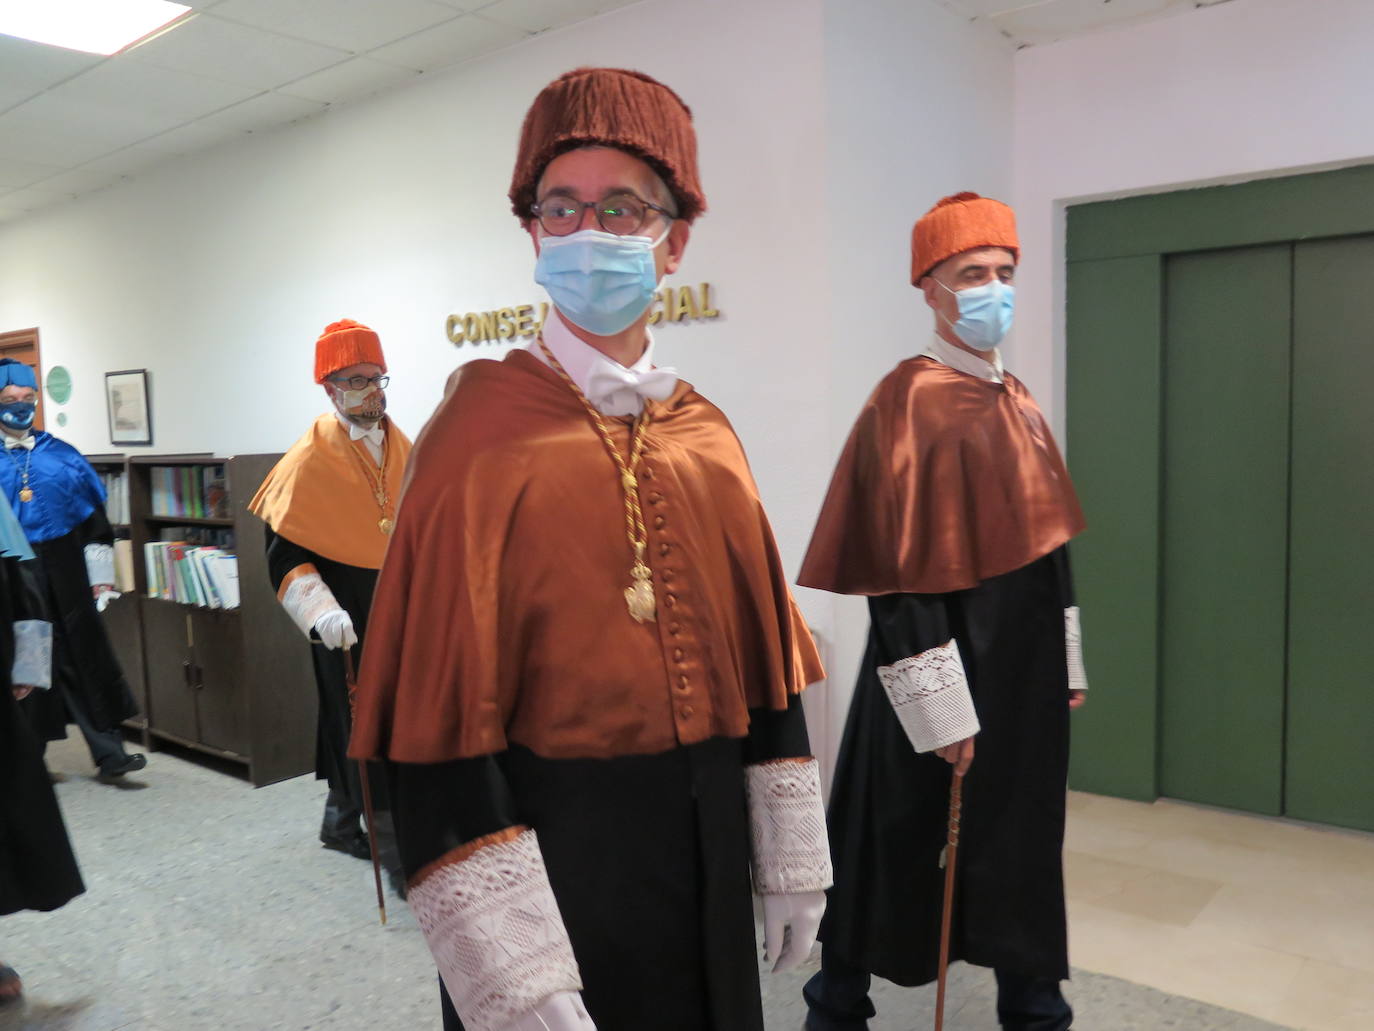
{"x": 929, "y": 693}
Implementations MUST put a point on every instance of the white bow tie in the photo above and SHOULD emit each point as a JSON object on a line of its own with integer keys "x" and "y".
{"x": 609, "y": 383}
{"x": 26, "y": 442}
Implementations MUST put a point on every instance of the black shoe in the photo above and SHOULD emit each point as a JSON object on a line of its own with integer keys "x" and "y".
{"x": 119, "y": 767}
{"x": 397, "y": 878}
{"x": 354, "y": 844}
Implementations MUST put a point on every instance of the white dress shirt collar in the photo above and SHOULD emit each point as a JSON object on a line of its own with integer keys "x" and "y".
{"x": 613, "y": 388}
{"x": 372, "y": 439}
{"x": 957, "y": 358}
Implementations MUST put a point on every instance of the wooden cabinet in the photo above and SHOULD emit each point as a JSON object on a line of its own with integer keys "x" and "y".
{"x": 233, "y": 683}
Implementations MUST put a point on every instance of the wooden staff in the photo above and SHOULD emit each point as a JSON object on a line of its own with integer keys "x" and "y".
{"x": 352, "y": 683}
{"x": 956, "y": 791}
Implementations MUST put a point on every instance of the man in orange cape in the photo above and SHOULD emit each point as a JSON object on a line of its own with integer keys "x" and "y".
{"x": 950, "y": 510}
{"x": 585, "y": 663}
{"x": 330, "y": 507}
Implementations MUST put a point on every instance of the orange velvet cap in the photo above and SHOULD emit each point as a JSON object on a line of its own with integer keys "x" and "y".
{"x": 609, "y": 107}
{"x": 346, "y": 343}
{"x": 959, "y": 223}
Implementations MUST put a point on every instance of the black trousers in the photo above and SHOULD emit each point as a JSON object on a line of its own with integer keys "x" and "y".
{"x": 106, "y": 744}
{"x": 837, "y": 999}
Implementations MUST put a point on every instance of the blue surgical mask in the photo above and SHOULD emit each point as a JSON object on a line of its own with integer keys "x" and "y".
{"x": 18, "y": 415}
{"x": 985, "y": 313}
{"x": 599, "y": 281}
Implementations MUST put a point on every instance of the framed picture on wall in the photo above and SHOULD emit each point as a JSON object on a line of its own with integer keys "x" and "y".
{"x": 126, "y": 397}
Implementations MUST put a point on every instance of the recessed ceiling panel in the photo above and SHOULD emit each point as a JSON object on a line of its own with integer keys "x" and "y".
{"x": 262, "y": 113}
{"x": 26, "y": 68}
{"x": 120, "y": 84}
{"x": 355, "y": 25}
{"x": 539, "y": 15}
{"x": 356, "y": 78}
{"x": 235, "y": 53}
{"x": 448, "y": 44}
{"x": 32, "y": 139}
{"x": 15, "y": 173}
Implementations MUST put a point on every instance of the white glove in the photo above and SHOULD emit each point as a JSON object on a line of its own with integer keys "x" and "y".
{"x": 103, "y": 599}
{"x": 335, "y": 628}
{"x": 562, "y": 1011}
{"x": 790, "y": 923}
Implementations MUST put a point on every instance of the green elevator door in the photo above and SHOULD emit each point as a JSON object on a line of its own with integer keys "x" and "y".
{"x": 1330, "y": 769}
{"x": 1224, "y": 526}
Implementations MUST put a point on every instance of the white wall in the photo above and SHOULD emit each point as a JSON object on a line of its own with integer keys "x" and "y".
{"x": 826, "y": 127}
{"x": 1225, "y": 93}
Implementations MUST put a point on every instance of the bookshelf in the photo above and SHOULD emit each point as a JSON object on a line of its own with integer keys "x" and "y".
{"x": 234, "y": 683}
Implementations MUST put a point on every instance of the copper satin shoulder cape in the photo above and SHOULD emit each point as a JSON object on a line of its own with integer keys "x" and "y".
{"x": 319, "y": 497}
{"x": 500, "y": 617}
{"x": 946, "y": 480}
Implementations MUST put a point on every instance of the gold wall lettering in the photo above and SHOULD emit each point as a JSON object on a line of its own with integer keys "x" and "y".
{"x": 671, "y": 304}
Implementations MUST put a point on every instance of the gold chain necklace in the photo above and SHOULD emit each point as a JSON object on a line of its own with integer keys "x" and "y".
{"x": 25, "y": 491}
{"x": 377, "y": 482}
{"x": 639, "y": 596}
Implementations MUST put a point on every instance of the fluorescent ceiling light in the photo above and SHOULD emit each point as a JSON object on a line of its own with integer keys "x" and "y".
{"x": 94, "y": 26}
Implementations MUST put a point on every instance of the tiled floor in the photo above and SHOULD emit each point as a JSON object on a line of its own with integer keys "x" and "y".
{"x": 1264, "y": 916}
{"x": 211, "y": 906}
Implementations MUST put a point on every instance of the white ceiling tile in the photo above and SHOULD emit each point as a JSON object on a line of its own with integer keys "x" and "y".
{"x": 26, "y": 68}
{"x": 103, "y": 171}
{"x": 103, "y": 122}
{"x": 458, "y": 40}
{"x": 15, "y": 173}
{"x": 261, "y": 113}
{"x": 350, "y": 80}
{"x": 539, "y": 15}
{"x": 1059, "y": 19}
{"x": 235, "y": 53}
{"x": 121, "y": 84}
{"x": 983, "y": 8}
{"x": 31, "y": 199}
{"x": 188, "y": 139}
{"x": 355, "y": 25}
{"x": 30, "y": 140}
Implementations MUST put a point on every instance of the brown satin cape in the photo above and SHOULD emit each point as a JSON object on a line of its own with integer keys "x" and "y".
{"x": 947, "y": 480}
{"x": 319, "y": 497}
{"x": 499, "y": 616}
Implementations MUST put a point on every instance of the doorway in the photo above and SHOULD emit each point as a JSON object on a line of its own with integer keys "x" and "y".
{"x": 22, "y": 346}
{"x": 1220, "y": 436}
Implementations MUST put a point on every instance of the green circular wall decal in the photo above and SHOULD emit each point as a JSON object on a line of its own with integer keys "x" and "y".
{"x": 61, "y": 418}
{"x": 59, "y": 385}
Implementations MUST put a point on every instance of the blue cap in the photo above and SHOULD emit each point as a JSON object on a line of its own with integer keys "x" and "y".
{"x": 17, "y": 374}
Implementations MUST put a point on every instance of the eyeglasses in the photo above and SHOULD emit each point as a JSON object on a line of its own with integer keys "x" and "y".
{"x": 360, "y": 382}
{"x": 621, "y": 214}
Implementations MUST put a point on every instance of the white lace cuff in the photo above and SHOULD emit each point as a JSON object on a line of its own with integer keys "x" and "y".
{"x": 1073, "y": 648}
{"x": 787, "y": 827}
{"x": 493, "y": 925}
{"x": 306, "y": 598}
{"x": 99, "y": 564}
{"x": 32, "y": 653}
{"x": 929, "y": 693}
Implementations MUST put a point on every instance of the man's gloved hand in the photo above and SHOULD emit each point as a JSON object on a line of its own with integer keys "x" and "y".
{"x": 103, "y": 598}
{"x": 335, "y": 629}
{"x": 562, "y": 1011}
{"x": 790, "y": 923}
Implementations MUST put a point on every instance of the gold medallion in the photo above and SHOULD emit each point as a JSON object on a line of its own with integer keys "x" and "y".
{"x": 386, "y": 525}
{"x": 639, "y": 596}
{"x": 26, "y": 494}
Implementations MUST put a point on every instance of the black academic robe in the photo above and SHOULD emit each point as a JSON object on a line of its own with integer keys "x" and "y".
{"x": 84, "y": 662}
{"x": 671, "y": 901}
{"x": 352, "y": 587}
{"x": 37, "y": 867}
{"x": 889, "y": 806}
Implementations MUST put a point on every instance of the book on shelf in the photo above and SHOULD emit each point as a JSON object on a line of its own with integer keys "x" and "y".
{"x": 124, "y": 565}
{"x": 191, "y": 491}
{"x": 193, "y": 566}
{"x": 116, "y": 486}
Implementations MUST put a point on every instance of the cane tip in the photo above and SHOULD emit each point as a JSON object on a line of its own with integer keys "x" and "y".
{"x": 383, "y": 915}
